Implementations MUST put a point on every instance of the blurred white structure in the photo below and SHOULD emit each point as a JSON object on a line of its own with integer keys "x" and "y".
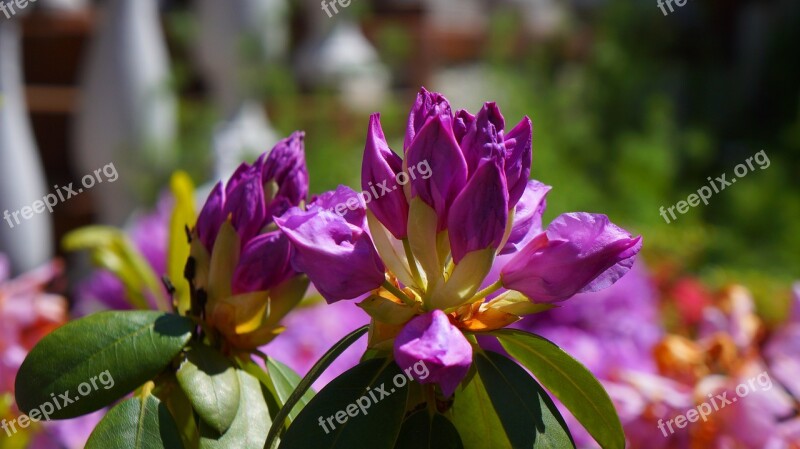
{"x": 243, "y": 137}
{"x": 543, "y": 17}
{"x": 338, "y": 56}
{"x": 127, "y": 112}
{"x": 225, "y": 27}
{"x": 63, "y": 5}
{"x": 29, "y": 243}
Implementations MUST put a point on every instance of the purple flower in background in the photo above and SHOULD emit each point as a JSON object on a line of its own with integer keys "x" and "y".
{"x": 310, "y": 332}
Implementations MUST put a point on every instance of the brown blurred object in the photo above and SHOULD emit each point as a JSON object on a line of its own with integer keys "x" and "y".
{"x": 53, "y": 46}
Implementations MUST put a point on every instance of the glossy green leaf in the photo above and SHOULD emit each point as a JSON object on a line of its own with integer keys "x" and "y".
{"x": 137, "y": 423}
{"x": 284, "y": 382}
{"x": 528, "y": 415}
{"x": 322, "y": 364}
{"x": 474, "y": 416}
{"x": 570, "y": 382}
{"x": 212, "y": 386}
{"x": 251, "y": 425}
{"x": 87, "y": 364}
{"x": 360, "y": 408}
{"x": 423, "y": 431}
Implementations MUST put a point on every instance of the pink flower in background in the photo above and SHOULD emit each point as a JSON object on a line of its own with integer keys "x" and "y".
{"x": 783, "y": 349}
{"x": 609, "y": 330}
{"x": 28, "y": 313}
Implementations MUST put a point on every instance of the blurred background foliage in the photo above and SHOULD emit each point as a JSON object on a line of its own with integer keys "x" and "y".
{"x": 632, "y": 111}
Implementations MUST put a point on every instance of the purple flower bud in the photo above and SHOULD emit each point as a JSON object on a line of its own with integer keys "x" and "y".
{"x": 436, "y": 145}
{"x": 519, "y": 155}
{"x": 211, "y": 217}
{"x": 264, "y": 263}
{"x": 478, "y": 217}
{"x": 462, "y": 124}
{"x": 337, "y": 256}
{"x": 527, "y": 217}
{"x": 286, "y": 167}
{"x": 579, "y": 252}
{"x": 434, "y": 350}
{"x": 378, "y": 173}
{"x": 245, "y": 203}
{"x": 484, "y": 138}
{"x": 427, "y": 106}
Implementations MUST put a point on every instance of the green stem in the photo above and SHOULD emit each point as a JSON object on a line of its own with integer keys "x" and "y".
{"x": 486, "y": 291}
{"x": 412, "y": 263}
{"x": 399, "y": 293}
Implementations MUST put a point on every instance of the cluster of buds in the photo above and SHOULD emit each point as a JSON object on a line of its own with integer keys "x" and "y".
{"x": 242, "y": 282}
{"x": 460, "y": 251}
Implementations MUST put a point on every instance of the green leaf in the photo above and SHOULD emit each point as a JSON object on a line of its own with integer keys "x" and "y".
{"x": 97, "y": 360}
{"x": 346, "y": 415}
{"x": 528, "y": 415}
{"x": 476, "y": 419}
{"x": 284, "y": 381}
{"x": 423, "y": 431}
{"x": 570, "y": 382}
{"x": 322, "y": 364}
{"x": 137, "y": 423}
{"x": 251, "y": 425}
{"x": 212, "y": 386}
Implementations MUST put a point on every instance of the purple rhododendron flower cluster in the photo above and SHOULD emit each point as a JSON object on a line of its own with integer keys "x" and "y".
{"x": 425, "y": 250}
